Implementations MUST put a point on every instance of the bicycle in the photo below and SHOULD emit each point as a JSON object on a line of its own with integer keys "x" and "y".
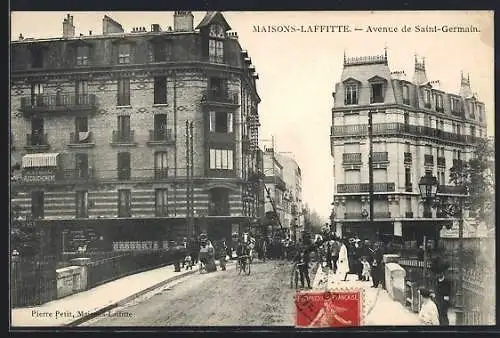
{"x": 243, "y": 264}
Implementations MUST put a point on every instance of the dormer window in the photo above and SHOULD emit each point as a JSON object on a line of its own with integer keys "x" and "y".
{"x": 427, "y": 98}
{"x": 216, "y": 44}
{"x": 472, "y": 113}
{"x": 455, "y": 104}
{"x": 160, "y": 50}
{"x": 124, "y": 53}
{"x": 406, "y": 94}
{"x": 438, "y": 100}
{"x": 82, "y": 55}
{"x": 377, "y": 89}
{"x": 351, "y": 94}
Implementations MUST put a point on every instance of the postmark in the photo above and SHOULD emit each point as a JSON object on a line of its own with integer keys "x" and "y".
{"x": 331, "y": 308}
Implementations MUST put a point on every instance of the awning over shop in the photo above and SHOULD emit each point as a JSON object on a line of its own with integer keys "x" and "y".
{"x": 40, "y": 160}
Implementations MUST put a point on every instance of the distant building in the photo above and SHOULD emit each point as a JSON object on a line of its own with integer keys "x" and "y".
{"x": 292, "y": 175}
{"x": 417, "y": 129}
{"x": 98, "y": 127}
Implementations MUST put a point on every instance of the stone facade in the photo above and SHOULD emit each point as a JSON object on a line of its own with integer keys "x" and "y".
{"x": 417, "y": 128}
{"x": 186, "y": 72}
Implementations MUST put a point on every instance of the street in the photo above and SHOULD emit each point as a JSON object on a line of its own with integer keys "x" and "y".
{"x": 214, "y": 299}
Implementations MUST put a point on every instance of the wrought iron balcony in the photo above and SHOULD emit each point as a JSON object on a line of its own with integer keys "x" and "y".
{"x": 351, "y": 158}
{"x": 400, "y": 129}
{"x": 161, "y": 173}
{"x": 364, "y": 188}
{"x": 160, "y": 136}
{"x": 428, "y": 160}
{"x": 79, "y": 174}
{"x": 381, "y": 214}
{"x": 380, "y": 157}
{"x": 37, "y": 140}
{"x": 220, "y": 97}
{"x": 218, "y": 210}
{"x": 427, "y": 214}
{"x": 62, "y": 176}
{"x": 407, "y": 157}
{"x": 427, "y": 105}
{"x": 441, "y": 162}
{"x": 440, "y": 109}
{"x": 409, "y": 187}
{"x": 80, "y": 139}
{"x": 123, "y": 137}
{"x": 406, "y": 101}
{"x": 458, "y": 112}
{"x": 63, "y": 103}
{"x": 353, "y": 215}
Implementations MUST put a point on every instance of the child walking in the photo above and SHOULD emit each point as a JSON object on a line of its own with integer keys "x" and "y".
{"x": 365, "y": 275}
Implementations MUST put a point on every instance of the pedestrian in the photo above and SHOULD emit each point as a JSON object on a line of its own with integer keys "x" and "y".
{"x": 443, "y": 290}
{"x": 343, "y": 261}
{"x": 428, "y": 314}
{"x": 376, "y": 266}
{"x": 365, "y": 275}
{"x": 302, "y": 262}
{"x": 334, "y": 254}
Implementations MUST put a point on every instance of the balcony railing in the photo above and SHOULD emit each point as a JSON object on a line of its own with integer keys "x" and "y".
{"x": 353, "y": 215}
{"x": 217, "y": 96}
{"x": 441, "y": 162}
{"x": 458, "y": 112}
{"x": 381, "y": 214}
{"x": 440, "y": 109}
{"x": 81, "y": 138}
{"x": 406, "y": 101}
{"x": 161, "y": 173}
{"x": 123, "y": 136}
{"x": 62, "y": 176}
{"x": 427, "y": 214}
{"x": 78, "y": 174}
{"x": 450, "y": 189}
{"x": 380, "y": 157}
{"x": 395, "y": 128}
{"x": 37, "y": 140}
{"x": 407, "y": 157}
{"x": 351, "y": 158}
{"x": 428, "y": 160}
{"x": 427, "y": 105}
{"x": 409, "y": 187}
{"x": 364, "y": 187}
{"x": 218, "y": 210}
{"x": 160, "y": 135}
{"x": 409, "y": 214}
{"x": 44, "y": 103}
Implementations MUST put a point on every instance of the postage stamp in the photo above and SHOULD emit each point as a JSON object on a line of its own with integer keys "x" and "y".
{"x": 332, "y": 308}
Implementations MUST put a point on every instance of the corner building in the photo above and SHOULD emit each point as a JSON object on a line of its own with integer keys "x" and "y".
{"x": 417, "y": 129}
{"x": 98, "y": 127}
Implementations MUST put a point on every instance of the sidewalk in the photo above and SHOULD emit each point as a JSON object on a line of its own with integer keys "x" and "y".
{"x": 379, "y": 308}
{"x": 82, "y": 306}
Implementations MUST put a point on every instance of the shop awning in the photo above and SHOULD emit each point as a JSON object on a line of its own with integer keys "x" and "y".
{"x": 40, "y": 160}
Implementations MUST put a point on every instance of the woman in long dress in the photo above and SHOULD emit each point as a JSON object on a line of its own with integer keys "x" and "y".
{"x": 343, "y": 262}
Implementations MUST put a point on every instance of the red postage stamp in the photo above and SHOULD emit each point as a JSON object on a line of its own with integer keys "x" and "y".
{"x": 335, "y": 308}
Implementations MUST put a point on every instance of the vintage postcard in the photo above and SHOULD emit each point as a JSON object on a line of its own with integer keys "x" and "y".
{"x": 299, "y": 169}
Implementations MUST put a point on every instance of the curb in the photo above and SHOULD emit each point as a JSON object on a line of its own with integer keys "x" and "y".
{"x": 96, "y": 313}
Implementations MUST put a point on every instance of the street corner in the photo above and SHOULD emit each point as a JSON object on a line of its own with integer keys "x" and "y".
{"x": 340, "y": 307}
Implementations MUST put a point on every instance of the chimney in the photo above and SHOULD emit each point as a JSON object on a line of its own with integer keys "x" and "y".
{"x": 399, "y": 75}
{"x": 68, "y": 28}
{"x": 110, "y": 26}
{"x": 465, "y": 90}
{"x": 21, "y": 37}
{"x": 419, "y": 77}
{"x": 155, "y": 28}
{"x": 436, "y": 84}
{"x": 183, "y": 21}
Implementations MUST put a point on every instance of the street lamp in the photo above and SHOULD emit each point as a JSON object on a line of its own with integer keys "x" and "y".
{"x": 428, "y": 187}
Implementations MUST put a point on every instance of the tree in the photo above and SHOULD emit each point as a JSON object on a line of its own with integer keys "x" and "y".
{"x": 476, "y": 176}
{"x": 316, "y": 222}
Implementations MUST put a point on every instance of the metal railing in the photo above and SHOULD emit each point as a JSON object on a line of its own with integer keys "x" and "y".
{"x": 220, "y": 96}
{"x": 37, "y": 139}
{"x": 407, "y": 157}
{"x": 365, "y": 187}
{"x": 380, "y": 157}
{"x": 351, "y": 158}
{"x": 123, "y": 136}
{"x": 74, "y": 138}
{"x": 160, "y": 135}
{"x": 395, "y": 128}
{"x": 44, "y": 102}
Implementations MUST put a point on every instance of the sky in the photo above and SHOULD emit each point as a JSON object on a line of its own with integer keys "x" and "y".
{"x": 298, "y": 70}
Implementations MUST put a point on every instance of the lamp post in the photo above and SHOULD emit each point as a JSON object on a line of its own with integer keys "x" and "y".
{"x": 428, "y": 187}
